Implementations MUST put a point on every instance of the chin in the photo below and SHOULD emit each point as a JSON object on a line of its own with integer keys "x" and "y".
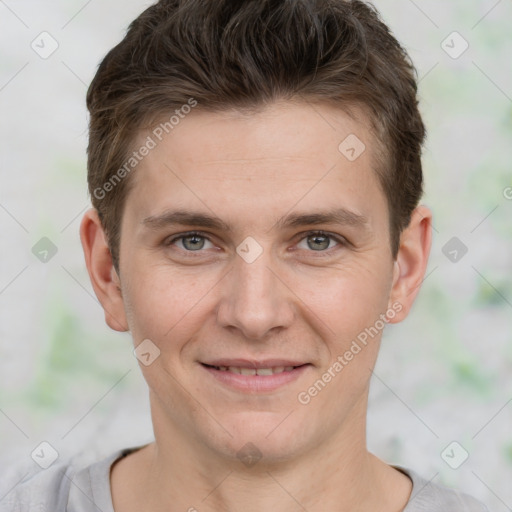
{"x": 262, "y": 438}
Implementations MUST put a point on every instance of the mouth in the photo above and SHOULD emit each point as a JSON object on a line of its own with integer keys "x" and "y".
{"x": 240, "y": 370}
{"x": 255, "y": 377}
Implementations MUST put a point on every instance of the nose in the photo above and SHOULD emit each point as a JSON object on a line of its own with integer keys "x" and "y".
{"x": 255, "y": 298}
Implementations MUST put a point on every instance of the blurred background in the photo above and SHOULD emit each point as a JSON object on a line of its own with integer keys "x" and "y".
{"x": 441, "y": 395}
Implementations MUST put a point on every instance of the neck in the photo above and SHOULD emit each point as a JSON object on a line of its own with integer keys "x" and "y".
{"x": 337, "y": 473}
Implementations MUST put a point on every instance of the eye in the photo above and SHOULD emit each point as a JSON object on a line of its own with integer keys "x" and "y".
{"x": 319, "y": 241}
{"x": 190, "y": 242}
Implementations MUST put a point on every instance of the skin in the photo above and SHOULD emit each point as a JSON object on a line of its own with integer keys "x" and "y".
{"x": 291, "y": 302}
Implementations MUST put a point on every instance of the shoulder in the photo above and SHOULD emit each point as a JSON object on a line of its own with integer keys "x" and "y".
{"x": 72, "y": 483}
{"x": 29, "y": 488}
{"x": 427, "y": 496}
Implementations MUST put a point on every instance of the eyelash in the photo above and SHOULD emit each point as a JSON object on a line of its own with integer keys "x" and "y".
{"x": 340, "y": 240}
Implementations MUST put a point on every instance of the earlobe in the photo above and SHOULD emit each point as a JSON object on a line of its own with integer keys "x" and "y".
{"x": 411, "y": 262}
{"x": 104, "y": 278}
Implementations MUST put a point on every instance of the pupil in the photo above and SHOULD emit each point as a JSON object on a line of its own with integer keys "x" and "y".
{"x": 323, "y": 244}
{"x": 196, "y": 242}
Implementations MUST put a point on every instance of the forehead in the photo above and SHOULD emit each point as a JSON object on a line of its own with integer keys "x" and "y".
{"x": 284, "y": 156}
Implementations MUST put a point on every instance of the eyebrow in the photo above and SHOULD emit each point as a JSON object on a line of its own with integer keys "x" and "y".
{"x": 341, "y": 216}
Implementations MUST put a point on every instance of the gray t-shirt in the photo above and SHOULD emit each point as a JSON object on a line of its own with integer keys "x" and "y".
{"x": 71, "y": 488}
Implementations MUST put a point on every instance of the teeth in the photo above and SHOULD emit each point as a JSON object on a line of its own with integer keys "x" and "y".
{"x": 254, "y": 371}
{"x": 264, "y": 371}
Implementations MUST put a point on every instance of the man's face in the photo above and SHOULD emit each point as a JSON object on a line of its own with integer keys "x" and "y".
{"x": 257, "y": 287}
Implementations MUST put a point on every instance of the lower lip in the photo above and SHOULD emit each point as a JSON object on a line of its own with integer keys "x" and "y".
{"x": 256, "y": 383}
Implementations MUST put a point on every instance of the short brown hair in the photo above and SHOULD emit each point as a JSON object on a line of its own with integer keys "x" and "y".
{"x": 244, "y": 55}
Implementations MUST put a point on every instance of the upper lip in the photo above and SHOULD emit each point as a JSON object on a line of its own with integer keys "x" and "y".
{"x": 246, "y": 363}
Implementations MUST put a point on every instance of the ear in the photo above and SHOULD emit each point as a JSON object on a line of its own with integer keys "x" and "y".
{"x": 411, "y": 262}
{"x": 104, "y": 278}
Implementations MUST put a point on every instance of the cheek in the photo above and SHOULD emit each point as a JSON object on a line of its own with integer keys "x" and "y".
{"x": 349, "y": 303}
{"x": 160, "y": 301}
{"x": 350, "y": 307}
{"x": 347, "y": 298}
